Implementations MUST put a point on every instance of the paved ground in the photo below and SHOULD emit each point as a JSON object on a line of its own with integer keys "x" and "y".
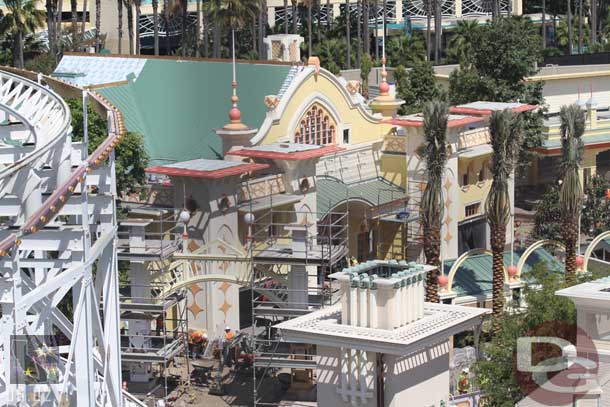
{"x": 237, "y": 387}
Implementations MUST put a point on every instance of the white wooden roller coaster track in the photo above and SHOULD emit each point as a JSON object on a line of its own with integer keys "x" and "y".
{"x": 58, "y": 265}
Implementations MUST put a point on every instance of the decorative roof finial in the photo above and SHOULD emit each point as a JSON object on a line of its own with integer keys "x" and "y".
{"x": 384, "y": 87}
{"x": 234, "y": 113}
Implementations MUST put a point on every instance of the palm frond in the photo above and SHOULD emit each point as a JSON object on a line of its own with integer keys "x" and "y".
{"x": 436, "y": 116}
{"x": 572, "y": 151}
{"x": 506, "y": 131}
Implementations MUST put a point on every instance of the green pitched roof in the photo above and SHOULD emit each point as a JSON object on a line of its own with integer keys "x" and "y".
{"x": 474, "y": 277}
{"x": 177, "y": 105}
{"x": 332, "y": 192}
{"x": 587, "y": 140}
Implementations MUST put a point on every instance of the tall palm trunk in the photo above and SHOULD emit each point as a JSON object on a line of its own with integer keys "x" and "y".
{"x": 428, "y": 28}
{"x": 120, "y": 9}
{"x": 83, "y": 27}
{"x": 206, "y": 36}
{"x": 254, "y": 36}
{"x": 593, "y": 21}
{"x": 570, "y": 34}
{"x": 318, "y": 20}
{"x": 365, "y": 25}
{"x": 58, "y": 33}
{"x": 348, "y": 24}
{"x": 498, "y": 243}
{"x": 294, "y": 16}
{"x": 329, "y": 17}
{"x": 358, "y": 32}
{"x": 183, "y": 20}
{"x": 198, "y": 30}
{"x": 138, "y": 5}
{"x": 18, "y": 50}
{"x": 438, "y": 31}
{"x": 50, "y": 5}
{"x": 432, "y": 251}
{"x": 285, "y": 16}
{"x": 74, "y": 24}
{"x": 98, "y": 25}
{"x": 579, "y": 27}
{"x": 309, "y": 49}
{"x": 543, "y": 24}
{"x": 376, "y": 8}
{"x": 129, "y": 5}
{"x": 168, "y": 43}
{"x": 155, "y": 6}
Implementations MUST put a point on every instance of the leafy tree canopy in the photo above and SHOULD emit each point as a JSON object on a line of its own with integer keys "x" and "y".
{"x": 131, "y": 158}
{"x": 547, "y": 220}
{"x": 417, "y": 86}
{"x": 505, "y": 52}
{"x": 495, "y": 374}
{"x": 595, "y": 217}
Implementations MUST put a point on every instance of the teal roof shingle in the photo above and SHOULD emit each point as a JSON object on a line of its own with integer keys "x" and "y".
{"x": 177, "y": 104}
{"x": 377, "y": 191}
{"x": 475, "y": 277}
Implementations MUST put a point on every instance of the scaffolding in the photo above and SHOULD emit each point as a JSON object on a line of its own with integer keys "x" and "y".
{"x": 149, "y": 236}
{"x": 292, "y": 253}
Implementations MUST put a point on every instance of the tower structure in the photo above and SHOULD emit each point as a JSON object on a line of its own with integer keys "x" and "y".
{"x": 382, "y": 345}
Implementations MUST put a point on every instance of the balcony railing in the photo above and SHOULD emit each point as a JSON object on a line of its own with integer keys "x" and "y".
{"x": 261, "y": 187}
{"x": 395, "y": 144}
{"x": 472, "y": 138}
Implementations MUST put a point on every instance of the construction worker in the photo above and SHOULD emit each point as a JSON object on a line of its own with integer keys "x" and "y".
{"x": 229, "y": 335}
{"x": 464, "y": 381}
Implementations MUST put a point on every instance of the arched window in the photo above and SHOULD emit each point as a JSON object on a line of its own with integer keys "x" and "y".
{"x": 316, "y": 127}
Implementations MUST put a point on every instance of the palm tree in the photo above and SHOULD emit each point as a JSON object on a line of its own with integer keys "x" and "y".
{"x": 198, "y": 29}
{"x": 74, "y": 23}
{"x": 130, "y": 32}
{"x": 22, "y": 18}
{"x": 570, "y": 194}
{"x": 543, "y": 24}
{"x": 155, "y": 6}
{"x": 294, "y": 15}
{"x": 436, "y": 115}
{"x": 285, "y": 16}
{"x": 428, "y": 5}
{"x": 348, "y": 24}
{"x": 120, "y": 8}
{"x": 358, "y": 31}
{"x": 569, "y": 28}
{"x": 405, "y": 50}
{"x": 183, "y": 4}
{"x": 83, "y": 20}
{"x": 138, "y": 5}
{"x": 505, "y": 133}
{"x": 309, "y": 5}
{"x": 365, "y": 27}
{"x": 98, "y": 25}
{"x": 438, "y": 31}
{"x": 460, "y": 46}
{"x": 166, "y": 17}
{"x": 51, "y": 6}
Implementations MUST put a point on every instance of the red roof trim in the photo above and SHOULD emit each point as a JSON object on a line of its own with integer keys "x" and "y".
{"x": 225, "y": 172}
{"x": 419, "y": 123}
{"x": 295, "y": 156}
{"x": 488, "y": 112}
{"x": 556, "y": 150}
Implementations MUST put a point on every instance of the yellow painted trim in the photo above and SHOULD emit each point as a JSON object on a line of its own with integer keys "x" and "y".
{"x": 460, "y": 260}
{"x": 532, "y": 248}
{"x": 592, "y": 246}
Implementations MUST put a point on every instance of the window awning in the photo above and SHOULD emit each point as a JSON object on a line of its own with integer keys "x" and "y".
{"x": 476, "y": 151}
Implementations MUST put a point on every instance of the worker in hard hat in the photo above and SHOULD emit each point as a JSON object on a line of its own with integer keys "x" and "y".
{"x": 229, "y": 335}
{"x": 226, "y": 347}
{"x": 464, "y": 381}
